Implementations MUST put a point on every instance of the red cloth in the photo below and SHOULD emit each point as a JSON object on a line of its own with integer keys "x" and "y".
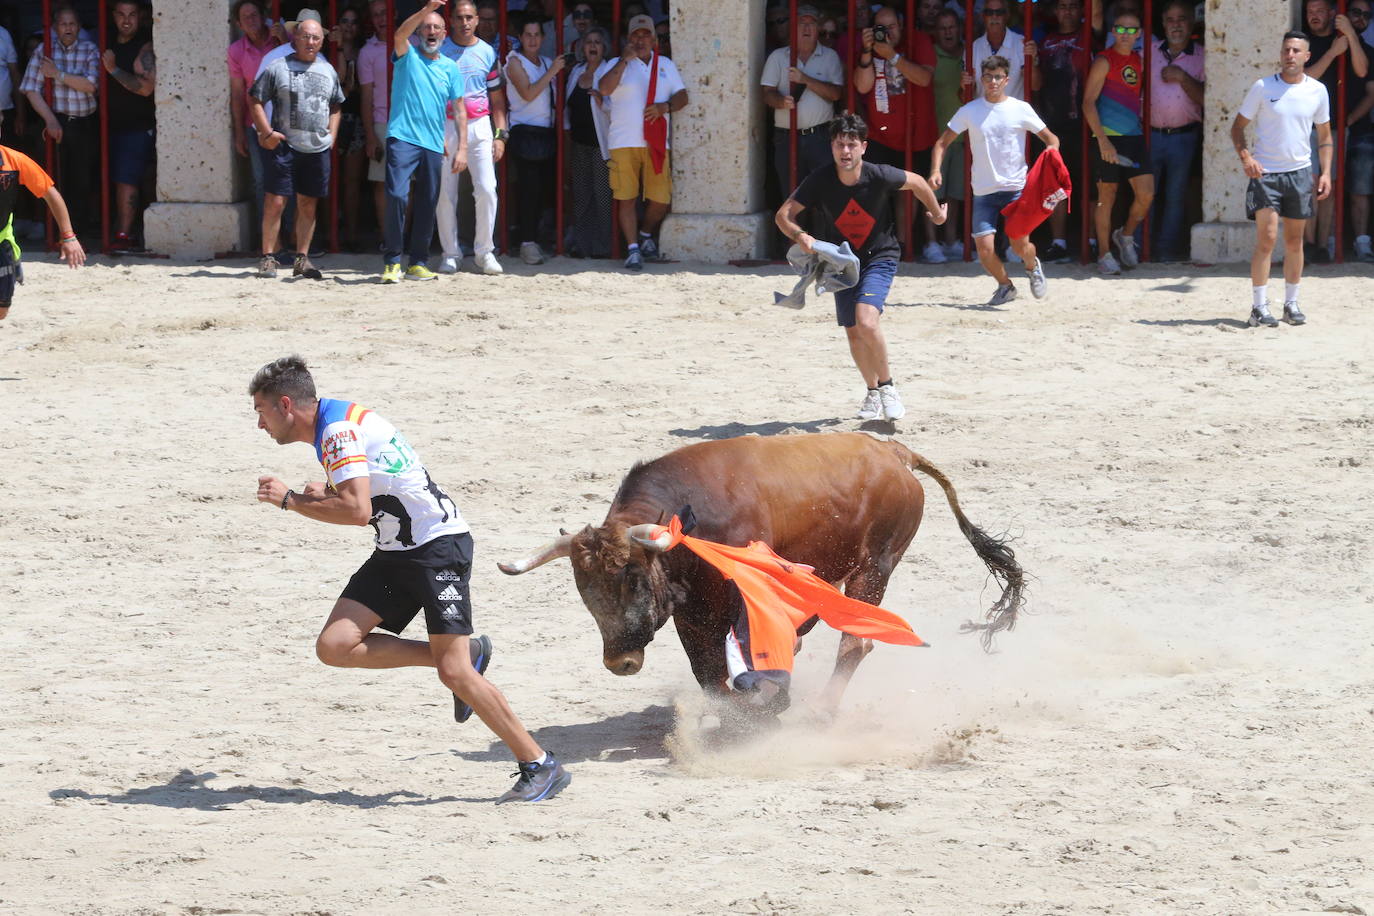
{"x": 1047, "y": 184}
{"x": 656, "y": 131}
{"x": 780, "y": 596}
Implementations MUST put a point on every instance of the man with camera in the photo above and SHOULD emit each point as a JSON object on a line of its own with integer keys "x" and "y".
{"x": 811, "y": 88}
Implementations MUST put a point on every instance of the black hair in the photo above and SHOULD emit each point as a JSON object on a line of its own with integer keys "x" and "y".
{"x": 849, "y": 124}
{"x": 239, "y": 5}
{"x": 1295, "y": 33}
{"x": 287, "y": 375}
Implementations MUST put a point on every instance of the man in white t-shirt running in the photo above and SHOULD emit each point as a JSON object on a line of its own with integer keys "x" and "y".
{"x": 997, "y": 125}
{"x": 1284, "y": 107}
{"x": 422, "y": 560}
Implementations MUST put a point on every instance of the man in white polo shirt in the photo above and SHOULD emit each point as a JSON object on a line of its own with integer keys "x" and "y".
{"x": 1284, "y": 107}
{"x": 811, "y": 88}
{"x": 640, "y": 136}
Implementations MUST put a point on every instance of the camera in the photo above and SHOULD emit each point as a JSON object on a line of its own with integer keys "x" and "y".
{"x": 880, "y": 34}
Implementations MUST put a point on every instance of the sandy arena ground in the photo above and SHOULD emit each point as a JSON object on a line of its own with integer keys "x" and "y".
{"x": 1183, "y": 724}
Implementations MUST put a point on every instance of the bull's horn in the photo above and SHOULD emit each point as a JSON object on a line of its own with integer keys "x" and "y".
{"x": 557, "y": 550}
{"x": 643, "y": 535}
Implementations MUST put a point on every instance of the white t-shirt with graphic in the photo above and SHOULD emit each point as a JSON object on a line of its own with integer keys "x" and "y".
{"x": 408, "y": 508}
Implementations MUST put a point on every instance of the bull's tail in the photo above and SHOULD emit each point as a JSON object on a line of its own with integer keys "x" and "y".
{"x": 996, "y": 553}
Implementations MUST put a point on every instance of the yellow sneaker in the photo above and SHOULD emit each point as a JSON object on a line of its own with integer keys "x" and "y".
{"x": 391, "y": 273}
{"x": 420, "y": 272}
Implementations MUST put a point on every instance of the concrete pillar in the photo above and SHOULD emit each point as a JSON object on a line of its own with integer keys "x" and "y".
{"x": 196, "y": 214}
{"x": 1243, "y": 43}
{"x": 718, "y": 156}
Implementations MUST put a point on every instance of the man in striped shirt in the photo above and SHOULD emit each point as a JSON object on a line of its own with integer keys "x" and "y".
{"x": 73, "y": 68}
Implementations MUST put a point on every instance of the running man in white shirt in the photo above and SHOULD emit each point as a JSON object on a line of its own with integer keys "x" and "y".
{"x": 997, "y": 124}
{"x": 423, "y": 557}
{"x": 1284, "y": 107}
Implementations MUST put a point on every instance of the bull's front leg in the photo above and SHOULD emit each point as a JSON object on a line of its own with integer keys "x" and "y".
{"x": 852, "y": 651}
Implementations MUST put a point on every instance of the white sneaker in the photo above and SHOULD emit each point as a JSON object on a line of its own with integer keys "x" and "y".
{"x": 487, "y": 264}
{"x": 1125, "y": 244}
{"x": 892, "y": 402}
{"x": 1037, "y": 280}
{"x": 872, "y": 407}
{"x": 448, "y": 266}
{"x": 1107, "y": 264}
{"x": 934, "y": 254}
{"x": 530, "y": 253}
{"x": 1363, "y": 250}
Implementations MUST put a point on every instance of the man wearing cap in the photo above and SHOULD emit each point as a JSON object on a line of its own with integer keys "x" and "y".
{"x": 294, "y": 144}
{"x": 811, "y": 88}
{"x": 639, "y": 134}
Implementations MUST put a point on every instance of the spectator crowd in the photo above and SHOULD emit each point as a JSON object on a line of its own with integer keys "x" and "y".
{"x": 315, "y": 116}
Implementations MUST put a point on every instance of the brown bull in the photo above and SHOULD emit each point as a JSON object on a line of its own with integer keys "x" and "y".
{"x": 844, "y": 503}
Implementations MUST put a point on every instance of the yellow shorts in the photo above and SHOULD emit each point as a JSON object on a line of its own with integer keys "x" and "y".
{"x": 628, "y": 163}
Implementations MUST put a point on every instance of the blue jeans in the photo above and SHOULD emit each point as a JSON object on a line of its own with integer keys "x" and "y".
{"x": 987, "y": 210}
{"x": 404, "y": 160}
{"x": 1173, "y": 156}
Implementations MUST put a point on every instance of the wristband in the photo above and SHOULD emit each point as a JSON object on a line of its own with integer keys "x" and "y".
{"x": 501, "y": 134}
{"x": 67, "y": 238}
{"x": 285, "y": 499}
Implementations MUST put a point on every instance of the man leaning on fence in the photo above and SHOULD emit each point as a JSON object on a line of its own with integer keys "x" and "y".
{"x": 810, "y": 87}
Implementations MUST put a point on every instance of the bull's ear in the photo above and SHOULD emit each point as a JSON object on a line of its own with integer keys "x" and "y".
{"x": 688, "y": 519}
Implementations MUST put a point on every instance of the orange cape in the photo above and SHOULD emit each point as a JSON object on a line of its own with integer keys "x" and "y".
{"x": 780, "y": 596}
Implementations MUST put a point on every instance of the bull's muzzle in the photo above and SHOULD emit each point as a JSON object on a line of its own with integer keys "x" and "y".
{"x": 625, "y": 664}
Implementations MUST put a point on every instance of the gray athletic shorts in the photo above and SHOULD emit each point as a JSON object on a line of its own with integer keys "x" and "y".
{"x": 1287, "y": 193}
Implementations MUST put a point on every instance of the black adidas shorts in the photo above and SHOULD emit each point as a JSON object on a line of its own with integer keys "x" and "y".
{"x": 396, "y": 584}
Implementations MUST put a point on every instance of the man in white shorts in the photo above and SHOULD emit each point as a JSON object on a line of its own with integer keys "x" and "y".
{"x": 997, "y": 125}
{"x": 1284, "y": 107}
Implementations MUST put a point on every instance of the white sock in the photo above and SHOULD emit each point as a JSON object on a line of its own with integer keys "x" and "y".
{"x": 1261, "y": 294}
{"x": 633, "y": 246}
{"x": 1290, "y": 292}
{"x": 1361, "y": 238}
{"x": 543, "y": 759}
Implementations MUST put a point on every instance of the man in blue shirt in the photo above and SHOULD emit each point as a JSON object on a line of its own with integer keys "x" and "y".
{"x": 423, "y": 84}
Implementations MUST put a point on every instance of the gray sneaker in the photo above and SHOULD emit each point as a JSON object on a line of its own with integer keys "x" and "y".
{"x": 1292, "y": 314}
{"x": 537, "y": 782}
{"x": 479, "y": 647}
{"x": 267, "y": 267}
{"x": 635, "y": 261}
{"x": 649, "y": 249}
{"x": 872, "y": 407}
{"x": 1260, "y": 315}
{"x": 1125, "y": 244}
{"x": 1037, "y": 280}
{"x": 1003, "y": 295}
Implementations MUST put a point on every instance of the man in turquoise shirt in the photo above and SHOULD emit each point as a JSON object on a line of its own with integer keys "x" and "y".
{"x": 424, "y": 84}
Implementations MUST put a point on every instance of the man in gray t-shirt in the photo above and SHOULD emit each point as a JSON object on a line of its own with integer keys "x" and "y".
{"x": 305, "y": 95}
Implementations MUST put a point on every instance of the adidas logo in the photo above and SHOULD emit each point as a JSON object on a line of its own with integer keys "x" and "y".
{"x": 447, "y": 575}
{"x": 451, "y": 613}
{"x": 450, "y": 594}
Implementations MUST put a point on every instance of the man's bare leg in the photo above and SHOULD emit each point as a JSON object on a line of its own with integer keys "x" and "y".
{"x": 451, "y": 656}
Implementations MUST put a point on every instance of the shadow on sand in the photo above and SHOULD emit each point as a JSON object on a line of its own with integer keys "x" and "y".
{"x": 628, "y": 736}
{"x": 188, "y": 790}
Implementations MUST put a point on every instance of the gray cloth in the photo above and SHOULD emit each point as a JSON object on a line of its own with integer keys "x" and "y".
{"x": 301, "y": 95}
{"x": 830, "y": 267}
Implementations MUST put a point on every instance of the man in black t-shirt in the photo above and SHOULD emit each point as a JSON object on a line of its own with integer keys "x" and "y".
{"x": 1329, "y": 36}
{"x": 131, "y": 65}
{"x": 854, "y": 201}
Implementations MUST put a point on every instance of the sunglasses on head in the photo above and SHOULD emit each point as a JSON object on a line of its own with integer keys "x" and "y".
{"x": 1126, "y": 29}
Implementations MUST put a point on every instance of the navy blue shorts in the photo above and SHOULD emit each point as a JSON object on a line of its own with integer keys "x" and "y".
{"x": 131, "y": 152}
{"x": 286, "y": 172}
{"x": 874, "y": 282}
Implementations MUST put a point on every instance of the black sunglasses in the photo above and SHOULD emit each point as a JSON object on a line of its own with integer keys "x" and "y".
{"x": 1356, "y": 13}
{"x": 992, "y": 12}
{"x": 782, "y": 21}
{"x": 582, "y": 14}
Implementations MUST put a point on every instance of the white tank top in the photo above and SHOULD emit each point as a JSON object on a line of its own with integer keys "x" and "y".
{"x": 538, "y": 113}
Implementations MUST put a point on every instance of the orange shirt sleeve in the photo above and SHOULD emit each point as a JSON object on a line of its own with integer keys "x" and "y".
{"x": 31, "y": 174}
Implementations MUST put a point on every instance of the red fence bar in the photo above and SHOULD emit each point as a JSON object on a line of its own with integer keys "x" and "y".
{"x": 1338, "y": 154}
{"x": 791, "y": 112}
{"x": 560, "y": 87}
{"x": 333, "y": 147}
{"x": 1085, "y": 185}
{"x": 855, "y": 41}
{"x": 1147, "y": 34}
{"x": 103, "y": 84}
{"x": 968, "y": 146}
{"x": 617, "y": 242}
{"x": 1029, "y": 63}
{"x": 49, "y": 146}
